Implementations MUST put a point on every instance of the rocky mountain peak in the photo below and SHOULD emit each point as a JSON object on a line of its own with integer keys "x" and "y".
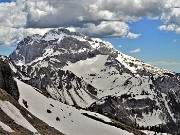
{"x": 56, "y": 43}
{"x": 59, "y": 31}
{"x": 30, "y": 39}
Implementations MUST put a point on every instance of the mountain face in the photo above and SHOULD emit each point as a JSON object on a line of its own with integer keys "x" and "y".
{"x": 91, "y": 74}
{"x": 35, "y": 113}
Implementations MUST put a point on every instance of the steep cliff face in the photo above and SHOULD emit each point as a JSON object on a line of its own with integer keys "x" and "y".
{"x": 7, "y": 82}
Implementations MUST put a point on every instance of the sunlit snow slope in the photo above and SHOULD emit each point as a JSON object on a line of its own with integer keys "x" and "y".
{"x": 64, "y": 118}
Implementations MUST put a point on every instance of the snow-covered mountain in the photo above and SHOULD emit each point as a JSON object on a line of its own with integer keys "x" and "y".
{"x": 34, "y": 113}
{"x": 91, "y": 74}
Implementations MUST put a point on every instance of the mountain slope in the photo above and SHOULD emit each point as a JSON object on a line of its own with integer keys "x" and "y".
{"x": 19, "y": 118}
{"x": 43, "y": 59}
{"x": 144, "y": 100}
{"x": 63, "y": 117}
{"x": 14, "y": 119}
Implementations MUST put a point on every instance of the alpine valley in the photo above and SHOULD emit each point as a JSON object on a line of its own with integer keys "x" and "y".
{"x": 67, "y": 83}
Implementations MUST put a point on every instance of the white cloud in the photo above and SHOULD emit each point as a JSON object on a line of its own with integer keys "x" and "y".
{"x": 105, "y": 29}
{"x": 175, "y": 40}
{"x": 171, "y": 27}
{"x": 76, "y": 13}
{"x": 12, "y": 15}
{"x": 132, "y": 35}
{"x": 167, "y": 27}
{"x": 171, "y": 18}
{"x": 11, "y": 36}
{"x": 135, "y": 51}
{"x": 97, "y": 18}
{"x": 119, "y": 46}
{"x": 174, "y": 66}
{"x": 164, "y": 63}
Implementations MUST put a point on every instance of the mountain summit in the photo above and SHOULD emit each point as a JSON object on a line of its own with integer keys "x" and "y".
{"x": 91, "y": 74}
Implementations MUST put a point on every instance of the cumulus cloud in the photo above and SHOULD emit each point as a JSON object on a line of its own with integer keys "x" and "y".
{"x": 132, "y": 35}
{"x": 11, "y": 36}
{"x": 135, "y": 51}
{"x": 96, "y": 18}
{"x": 91, "y": 13}
{"x": 171, "y": 18}
{"x": 58, "y": 12}
{"x": 11, "y": 15}
{"x": 105, "y": 29}
{"x": 170, "y": 27}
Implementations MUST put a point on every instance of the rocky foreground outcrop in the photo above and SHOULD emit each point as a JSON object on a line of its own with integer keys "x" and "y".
{"x": 7, "y": 82}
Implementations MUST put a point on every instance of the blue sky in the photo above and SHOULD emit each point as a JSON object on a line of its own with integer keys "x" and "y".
{"x": 7, "y": 0}
{"x": 155, "y": 28}
{"x": 154, "y": 45}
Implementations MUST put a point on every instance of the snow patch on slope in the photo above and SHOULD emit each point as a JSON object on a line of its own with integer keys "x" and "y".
{"x": 15, "y": 114}
{"x": 153, "y": 133}
{"x": 99, "y": 116}
{"x": 12, "y": 67}
{"x": 5, "y": 127}
{"x": 151, "y": 119}
{"x": 89, "y": 65}
{"x": 167, "y": 107}
{"x": 121, "y": 59}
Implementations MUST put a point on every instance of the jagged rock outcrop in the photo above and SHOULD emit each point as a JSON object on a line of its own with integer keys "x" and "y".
{"x": 7, "y": 82}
